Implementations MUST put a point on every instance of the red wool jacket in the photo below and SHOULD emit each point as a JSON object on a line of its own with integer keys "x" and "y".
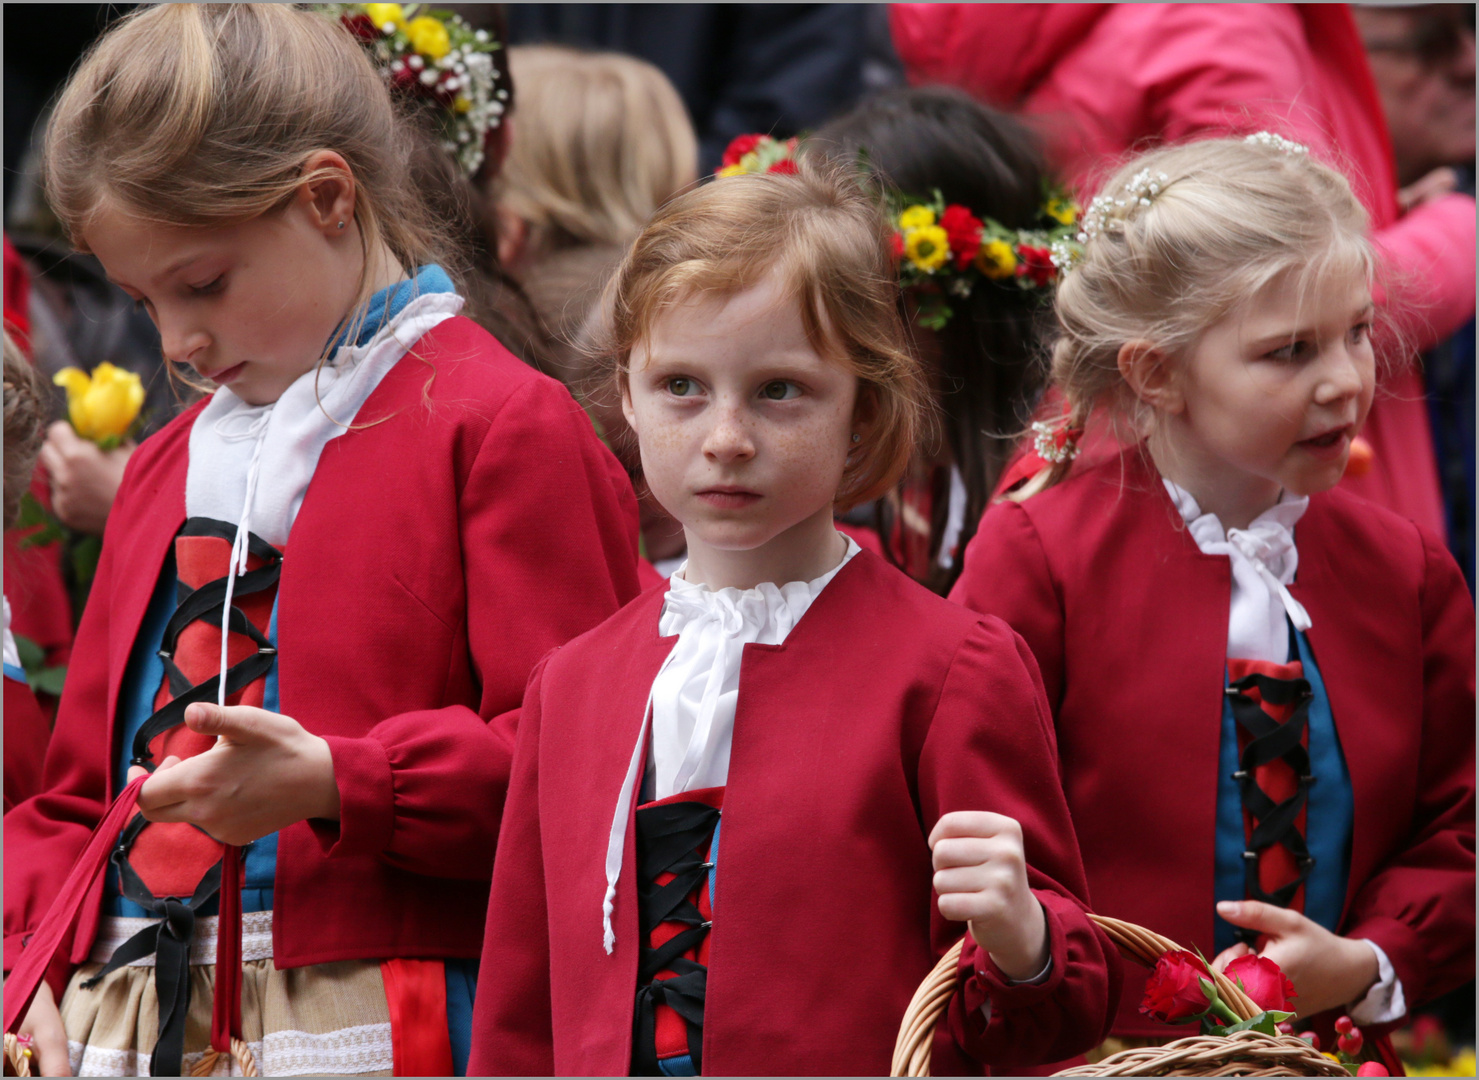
{"x": 884, "y": 709}
{"x": 1128, "y": 621}
{"x": 436, "y": 557}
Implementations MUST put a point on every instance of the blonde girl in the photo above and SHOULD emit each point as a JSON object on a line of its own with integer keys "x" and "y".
{"x": 321, "y": 588}
{"x": 1263, "y": 688}
{"x": 784, "y": 745}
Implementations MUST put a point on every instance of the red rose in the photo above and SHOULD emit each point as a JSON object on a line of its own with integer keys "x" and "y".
{"x": 1174, "y": 991}
{"x": 896, "y": 246}
{"x": 738, "y": 147}
{"x": 785, "y": 167}
{"x": 1037, "y": 264}
{"x": 361, "y": 27}
{"x": 1263, "y": 981}
{"x": 964, "y": 230}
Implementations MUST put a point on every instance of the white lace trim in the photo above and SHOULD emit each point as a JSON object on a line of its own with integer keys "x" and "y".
{"x": 351, "y": 1051}
{"x": 256, "y": 938}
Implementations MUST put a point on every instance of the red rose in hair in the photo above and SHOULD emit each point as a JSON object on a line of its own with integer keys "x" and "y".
{"x": 1037, "y": 264}
{"x": 738, "y": 147}
{"x": 1174, "y": 990}
{"x": 361, "y": 27}
{"x": 896, "y": 245}
{"x": 1263, "y": 981}
{"x": 964, "y": 230}
{"x": 785, "y": 167}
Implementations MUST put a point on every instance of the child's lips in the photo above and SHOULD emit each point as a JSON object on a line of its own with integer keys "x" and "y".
{"x": 1330, "y": 446}
{"x": 226, "y": 375}
{"x": 729, "y": 498}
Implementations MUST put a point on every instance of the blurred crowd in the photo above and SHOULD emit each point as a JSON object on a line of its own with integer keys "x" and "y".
{"x": 615, "y": 108}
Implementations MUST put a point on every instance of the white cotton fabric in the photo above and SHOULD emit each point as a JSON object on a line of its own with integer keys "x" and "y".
{"x": 1264, "y": 560}
{"x": 290, "y": 434}
{"x": 12, "y": 654}
{"x": 691, "y": 705}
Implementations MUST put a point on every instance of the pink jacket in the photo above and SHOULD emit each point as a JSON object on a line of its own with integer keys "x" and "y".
{"x": 1104, "y": 79}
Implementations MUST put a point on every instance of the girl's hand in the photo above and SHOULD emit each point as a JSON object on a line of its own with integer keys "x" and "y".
{"x": 981, "y": 876}
{"x": 84, "y": 478}
{"x": 1327, "y": 970}
{"x": 43, "y": 1023}
{"x": 265, "y": 772}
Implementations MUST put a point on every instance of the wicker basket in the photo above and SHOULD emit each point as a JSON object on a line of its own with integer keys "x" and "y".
{"x": 1245, "y": 1053}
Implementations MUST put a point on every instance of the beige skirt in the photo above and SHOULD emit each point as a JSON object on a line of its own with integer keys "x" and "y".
{"x": 323, "y": 1020}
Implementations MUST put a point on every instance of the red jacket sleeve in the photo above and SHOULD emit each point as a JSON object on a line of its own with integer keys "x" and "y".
{"x": 1006, "y": 574}
{"x": 991, "y": 747}
{"x": 46, "y": 833}
{"x": 549, "y": 551}
{"x": 1420, "y": 907}
{"x": 511, "y": 1033}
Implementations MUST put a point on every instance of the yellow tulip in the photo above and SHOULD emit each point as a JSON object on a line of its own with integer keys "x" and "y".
{"x": 429, "y": 37}
{"x": 927, "y": 247}
{"x": 383, "y": 15}
{"x": 103, "y": 406}
{"x": 916, "y": 217}
{"x": 997, "y": 260}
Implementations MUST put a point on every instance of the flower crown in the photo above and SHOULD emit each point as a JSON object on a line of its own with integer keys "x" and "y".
{"x": 749, "y": 154}
{"x": 943, "y": 249}
{"x": 439, "y": 57}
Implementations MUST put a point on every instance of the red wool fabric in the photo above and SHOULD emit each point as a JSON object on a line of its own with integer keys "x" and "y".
{"x": 437, "y": 555}
{"x": 1128, "y": 621}
{"x": 885, "y": 708}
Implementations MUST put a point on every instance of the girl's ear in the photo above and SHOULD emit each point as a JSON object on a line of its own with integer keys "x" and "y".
{"x": 626, "y": 404}
{"x": 864, "y": 413}
{"x": 328, "y": 192}
{"x": 1150, "y": 376}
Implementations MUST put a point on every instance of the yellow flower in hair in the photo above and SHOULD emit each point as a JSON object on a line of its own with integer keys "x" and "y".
{"x": 732, "y": 170}
{"x": 462, "y": 104}
{"x": 927, "y": 247}
{"x": 429, "y": 37}
{"x": 1063, "y": 211}
{"x": 916, "y": 217}
{"x": 383, "y": 15}
{"x": 996, "y": 260}
{"x": 103, "y": 406}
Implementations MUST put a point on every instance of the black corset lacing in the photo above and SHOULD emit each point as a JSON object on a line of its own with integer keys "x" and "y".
{"x": 169, "y": 940}
{"x": 670, "y": 838}
{"x": 1270, "y": 740}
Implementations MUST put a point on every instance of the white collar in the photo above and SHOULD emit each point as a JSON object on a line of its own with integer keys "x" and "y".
{"x": 1264, "y": 560}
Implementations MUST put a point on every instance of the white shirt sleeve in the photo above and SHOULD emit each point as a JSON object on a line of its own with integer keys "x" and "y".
{"x": 1385, "y": 1001}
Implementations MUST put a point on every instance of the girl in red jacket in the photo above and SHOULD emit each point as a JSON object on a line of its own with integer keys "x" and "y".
{"x": 717, "y": 852}
{"x": 1263, "y": 688}
{"x": 319, "y": 587}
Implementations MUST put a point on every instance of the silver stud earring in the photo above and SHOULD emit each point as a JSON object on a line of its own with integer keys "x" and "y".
{"x": 341, "y": 224}
{"x": 856, "y": 437}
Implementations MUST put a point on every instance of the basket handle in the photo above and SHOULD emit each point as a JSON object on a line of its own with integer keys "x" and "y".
{"x": 915, "y": 1044}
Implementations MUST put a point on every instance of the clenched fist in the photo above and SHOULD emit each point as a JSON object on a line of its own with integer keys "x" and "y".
{"x": 981, "y": 877}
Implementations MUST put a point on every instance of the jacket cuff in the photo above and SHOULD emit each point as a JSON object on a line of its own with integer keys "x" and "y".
{"x": 1401, "y": 946}
{"x": 366, "y": 799}
{"x": 1002, "y": 993}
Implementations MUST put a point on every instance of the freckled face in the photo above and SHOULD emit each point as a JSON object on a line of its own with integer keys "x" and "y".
{"x": 744, "y": 427}
{"x": 251, "y": 306}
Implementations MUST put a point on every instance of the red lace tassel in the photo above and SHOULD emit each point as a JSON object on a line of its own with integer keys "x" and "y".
{"x": 226, "y": 1006}
{"x": 416, "y": 991}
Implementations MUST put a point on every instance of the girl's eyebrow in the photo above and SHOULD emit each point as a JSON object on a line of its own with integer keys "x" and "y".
{"x": 1308, "y": 331}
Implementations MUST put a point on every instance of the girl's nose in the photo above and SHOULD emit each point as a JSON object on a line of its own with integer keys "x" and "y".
{"x": 729, "y": 438}
{"x": 1346, "y": 372}
{"x": 181, "y": 344}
